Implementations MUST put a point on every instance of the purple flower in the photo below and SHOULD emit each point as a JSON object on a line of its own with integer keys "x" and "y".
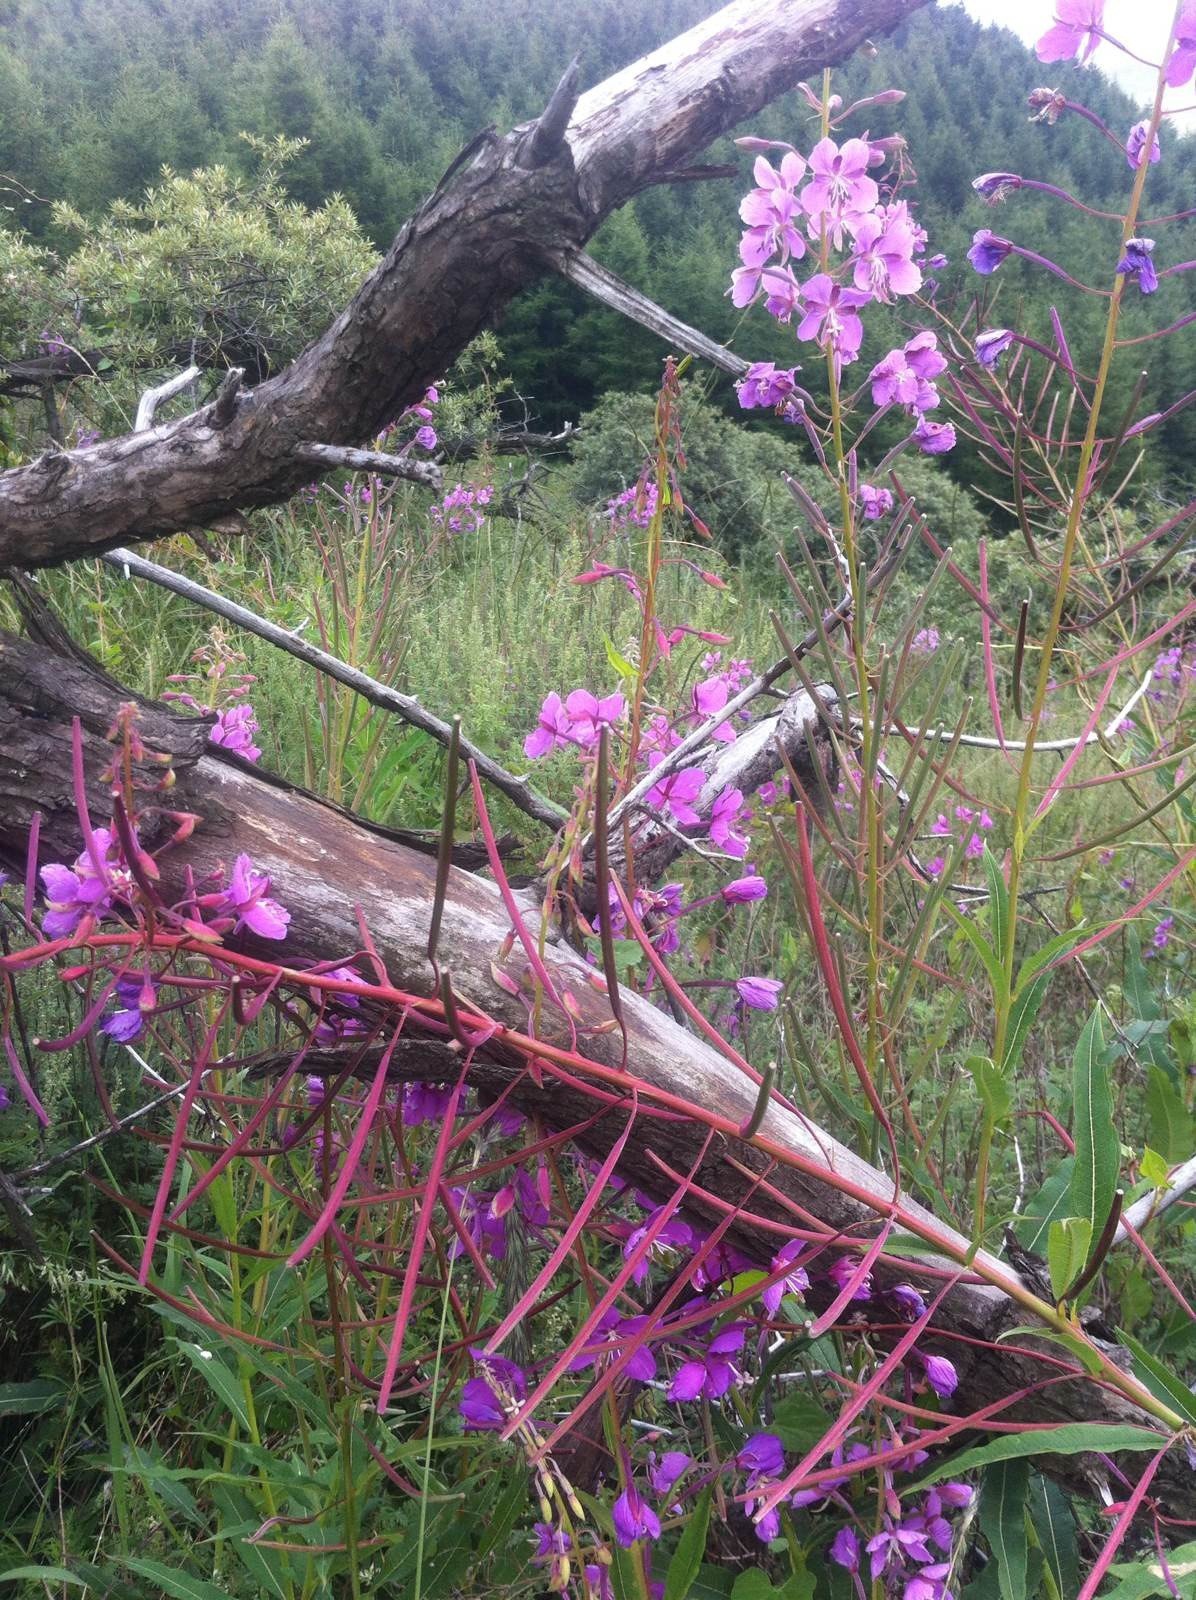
{"x": 1076, "y": 31}
{"x": 934, "y": 438}
{"x": 940, "y": 1375}
{"x": 1135, "y": 145}
{"x": 234, "y": 729}
{"x": 875, "y": 503}
{"x": 674, "y": 1235}
{"x": 994, "y": 186}
{"x": 1183, "y": 61}
{"x": 482, "y": 1399}
{"x": 905, "y": 377}
{"x": 894, "y": 1544}
{"x": 633, "y": 1518}
{"x": 925, "y": 642}
{"x": 677, "y": 792}
{"x": 1161, "y": 936}
{"x": 589, "y": 714}
{"x": 425, "y": 1102}
{"x": 770, "y": 211}
{"x": 740, "y": 890}
{"x": 991, "y": 345}
{"x": 762, "y": 994}
{"x": 73, "y": 893}
{"x": 988, "y": 250}
{"x": 842, "y": 1270}
{"x": 1136, "y": 263}
{"x": 425, "y": 437}
{"x": 663, "y": 1474}
{"x": 830, "y": 314}
{"x": 845, "y": 1549}
{"x": 766, "y": 385}
{"x": 907, "y": 1300}
{"x": 796, "y": 1281}
{"x": 839, "y": 184}
{"x": 134, "y": 998}
{"x": 763, "y": 1456}
{"x": 711, "y": 1372}
{"x": 247, "y": 899}
{"x": 5, "y": 1098}
{"x": 553, "y": 730}
{"x": 611, "y": 1338}
{"x": 884, "y": 264}
{"x": 723, "y": 816}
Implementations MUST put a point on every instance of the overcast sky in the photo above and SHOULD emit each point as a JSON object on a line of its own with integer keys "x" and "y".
{"x": 1141, "y": 24}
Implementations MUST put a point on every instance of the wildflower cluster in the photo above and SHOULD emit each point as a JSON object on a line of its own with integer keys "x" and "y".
{"x": 225, "y": 690}
{"x": 462, "y": 510}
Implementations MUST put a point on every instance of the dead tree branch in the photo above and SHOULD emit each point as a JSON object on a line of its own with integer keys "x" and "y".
{"x": 492, "y": 227}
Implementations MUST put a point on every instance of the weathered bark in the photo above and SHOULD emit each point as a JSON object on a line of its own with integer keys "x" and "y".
{"x": 504, "y": 211}
{"x": 325, "y": 866}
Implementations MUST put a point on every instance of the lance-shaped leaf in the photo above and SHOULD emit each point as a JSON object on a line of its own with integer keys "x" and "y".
{"x": 1098, "y": 1149}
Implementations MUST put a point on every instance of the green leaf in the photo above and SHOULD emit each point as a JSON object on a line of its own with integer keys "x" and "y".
{"x": 998, "y": 901}
{"x": 1171, "y": 1123}
{"x": 1044, "y": 1206}
{"x": 224, "y": 1383}
{"x": 687, "y": 1558}
{"x": 1003, "y": 1523}
{"x": 1069, "y": 1439}
{"x": 990, "y": 958}
{"x": 1141, "y": 1580}
{"x": 757, "y": 1585}
{"x": 995, "y": 1093}
{"x": 1056, "y": 1530}
{"x": 1161, "y": 1382}
{"x": 30, "y": 1399}
{"x": 1044, "y": 955}
{"x": 1098, "y": 1149}
{"x": 1154, "y": 1169}
{"x": 799, "y": 1422}
{"x": 175, "y": 1583}
{"x": 1022, "y": 1015}
{"x": 1067, "y": 1251}
{"x": 42, "y": 1575}
{"x": 620, "y": 663}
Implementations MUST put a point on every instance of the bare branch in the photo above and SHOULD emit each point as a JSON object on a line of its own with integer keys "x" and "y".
{"x": 426, "y": 473}
{"x": 548, "y": 135}
{"x": 611, "y": 290}
{"x": 148, "y": 405}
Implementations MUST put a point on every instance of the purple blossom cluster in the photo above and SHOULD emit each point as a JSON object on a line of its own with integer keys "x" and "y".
{"x": 463, "y": 508}
{"x": 634, "y": 507}
{"x": 830, "y": 197}
{"x": 965, "y": 823}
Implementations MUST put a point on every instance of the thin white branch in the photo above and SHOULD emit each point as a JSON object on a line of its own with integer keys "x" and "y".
{"x": 1043, "y": 746}
{"x": 1157, "y": 1201}
{"x": 153, "y": 398}
{"x": 386, "y": 466}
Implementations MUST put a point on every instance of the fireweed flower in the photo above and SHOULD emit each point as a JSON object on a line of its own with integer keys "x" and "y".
{"x": 234, "y": 729}
{"x": 988, "y": 250}
{"x": 1183, "y": 62}
{"x": 723, "y": 815}
{"x": 633, "y": 1518}
{"x": 663, "y": 1474}
{"x": 482, "y": 1399}
{"x": 553, "y": 730}
{"x": 247, "y": 900}
{"x": 674, "y": 1235}
{"x": 1161, "y": 936}
{"x": 842, "y": 1270}
{"x": 711, "y": 1372}
{"x": 905, "y": 377}
{"x": 771, "y": 211}
{"x": 1135, "y": 145}
{"x": 740, "y": 890}
{"x": 589, "y": 714}
{"x": 934, "y": 438}
{"x": 1076, "y": 32}
{"x": 875, "y": 503}
{"x": 940, "y": 1374}
{"x": 135, "y": 997}
{"x": 994, "y": 186}
{"x": 925, "y": 642}
{"x": 611, "y": 1338}
{"x": 1136, "y": 263}
{"x": 677, "y": 792}
{"x": 839, "y": 185}
{"x": 830, "y": 315}
{"x": 795, "y": 1281}
{"x": 765, "y": 385}
{"x": 763, "y": 1456}
{"x": 845, "y": 1550}
{"x": 761, "y": 994}
{"x": 884, "y": 264}
{"x": 991, "y": 345}
{"x": 73, "y": 893}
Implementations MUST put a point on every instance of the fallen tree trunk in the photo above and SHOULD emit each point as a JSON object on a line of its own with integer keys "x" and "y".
{"x": 508, "y": 209}
{"x": 328, "y": 868}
